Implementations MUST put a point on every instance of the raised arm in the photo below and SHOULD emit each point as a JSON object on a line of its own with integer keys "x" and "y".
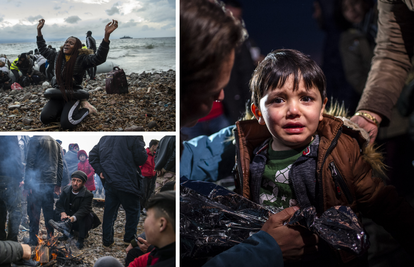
{"x": 109, "y": 28}
{"x": 40, "y": 26}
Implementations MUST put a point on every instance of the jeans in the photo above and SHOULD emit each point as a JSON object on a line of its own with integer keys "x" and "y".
{"x": 131, "y": 205}
{"x": 10, "y": 201}
{"x": 37, "y": 200}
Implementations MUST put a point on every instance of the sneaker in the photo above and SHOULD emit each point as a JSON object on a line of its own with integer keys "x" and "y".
{"x": 63, "y": 227}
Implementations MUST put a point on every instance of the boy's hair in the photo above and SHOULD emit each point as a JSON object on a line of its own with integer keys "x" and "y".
{"x": 153, "y": 142}
{"x": 207, "y": 36}
{"x": 278, "y": 65}
{"x": 164, "y": 205}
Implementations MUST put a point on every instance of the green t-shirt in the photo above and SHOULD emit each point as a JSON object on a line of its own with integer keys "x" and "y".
{"x": 276, "y": 191}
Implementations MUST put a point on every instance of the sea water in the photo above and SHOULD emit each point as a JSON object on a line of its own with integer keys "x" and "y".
{"x": 133, "y": 55}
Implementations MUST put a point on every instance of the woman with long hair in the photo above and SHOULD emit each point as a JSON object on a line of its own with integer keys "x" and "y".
{"x": 70, "y": 104}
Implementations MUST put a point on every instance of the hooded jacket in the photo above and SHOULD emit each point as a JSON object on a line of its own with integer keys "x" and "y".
{"x": 72, "y": 160}
{"x": 87, "y": 168}
{"x": 86, "y": 59}
{"x": 44, "y": 162}
{"x": 148, "y": 168}
{"x": 344, "y": 176}
{"x": 118, "y": 159}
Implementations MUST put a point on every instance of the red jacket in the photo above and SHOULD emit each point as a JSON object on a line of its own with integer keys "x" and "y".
{"x": 147, "y": 169}
{"x": 87, "y": 168}
{"x": 142, "y": 261}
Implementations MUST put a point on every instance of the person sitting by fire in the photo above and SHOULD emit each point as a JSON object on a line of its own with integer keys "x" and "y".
{"x": 74, "y": 210}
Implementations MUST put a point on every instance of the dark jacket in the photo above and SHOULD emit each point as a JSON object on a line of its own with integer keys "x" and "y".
{"x": 44, "y": 162}
{"x": 11, "y": 165}
{"x": 118, "y": 158}
{"x": 91, "y": 43}
{"x": 344, "y": 176}
{"x": 10, "y": 251}
{"x": 165, "y": 156}
{"x": 86, "y": 59}
{"x": 81, "y": 206}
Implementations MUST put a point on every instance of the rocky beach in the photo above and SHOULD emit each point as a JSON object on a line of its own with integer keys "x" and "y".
{"x": 149, "y": 105}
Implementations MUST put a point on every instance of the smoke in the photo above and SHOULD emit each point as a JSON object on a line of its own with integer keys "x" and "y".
{"x": 11, "y": 165}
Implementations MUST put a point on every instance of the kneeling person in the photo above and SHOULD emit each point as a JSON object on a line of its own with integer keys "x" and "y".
{"x": 74, "y": 209}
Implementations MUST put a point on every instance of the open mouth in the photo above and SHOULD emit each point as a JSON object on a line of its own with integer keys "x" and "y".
{"x": 293, "y": 128}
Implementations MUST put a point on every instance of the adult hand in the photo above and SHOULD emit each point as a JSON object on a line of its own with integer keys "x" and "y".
{"x": 143, "y": 244}
{"x": 57, "y": 190}
{"x": 40, "y": 26}
{"x": 27, "y": 252}
{"x": 110, "y": 28}
{"x": 63, "y": 216}
{"x": 129, "y": 248}
{"x": 101, "y": 175}
{"x": 370, "y": 127}
{"x": 296, "y": 243}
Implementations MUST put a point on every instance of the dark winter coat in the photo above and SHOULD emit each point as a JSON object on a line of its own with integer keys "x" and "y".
{"x": 91, "y": 43}
{"x": 118, "y": 159}
{"x": 81, "y": 206}
{"x": 10, "y": 251}
{"x": 351, "y": 183}
{"x": 165, "y": 156}
{"x": 86, "y": 59}
{"x": 44, "y": 162}
{"x": 11, "y": 165}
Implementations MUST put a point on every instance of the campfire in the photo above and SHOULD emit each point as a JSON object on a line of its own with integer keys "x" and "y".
{"x": 48, "y": 253}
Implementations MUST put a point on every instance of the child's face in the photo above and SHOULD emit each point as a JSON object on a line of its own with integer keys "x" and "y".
{"x": 82, "y": 157}
{"x": 292, "y": 117}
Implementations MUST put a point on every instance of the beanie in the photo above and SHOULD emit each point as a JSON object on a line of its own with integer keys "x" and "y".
{"x": 79, "y": 174}
{"x": 80, "y": 152}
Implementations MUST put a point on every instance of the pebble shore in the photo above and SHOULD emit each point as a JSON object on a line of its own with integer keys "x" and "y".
{"x": 149, "y": 105}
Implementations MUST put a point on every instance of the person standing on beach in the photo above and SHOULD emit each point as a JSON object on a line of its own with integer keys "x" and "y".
{"x": 71, "y": 62}
{"x": 91, "y": 44}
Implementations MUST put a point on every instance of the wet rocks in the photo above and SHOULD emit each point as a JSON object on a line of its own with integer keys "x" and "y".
{"x": 140, "y": 109}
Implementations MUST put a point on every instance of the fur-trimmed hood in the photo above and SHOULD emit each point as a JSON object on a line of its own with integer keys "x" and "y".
{"x": 370, "y": 152}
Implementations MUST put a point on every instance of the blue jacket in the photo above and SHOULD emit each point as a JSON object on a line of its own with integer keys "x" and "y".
{"x": 261, "y": 249}
{"x": 208, "y": 158}
{"x": 118, "y": 158}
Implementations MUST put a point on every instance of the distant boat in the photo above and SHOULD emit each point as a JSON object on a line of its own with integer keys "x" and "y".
{"x": 126, "y": 37}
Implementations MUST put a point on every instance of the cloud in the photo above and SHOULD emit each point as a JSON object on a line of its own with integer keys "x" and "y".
{"x": 1, "y": 18}
{"x": 57, "y": 7}
{"x": 114, "y": 10}
{"x": 129, "y": 24}
{"x": 72, "y": 19}
{"x": 34, "y": 19}
{"x": 96, "y": 2}
{"x": 147, "y": 28}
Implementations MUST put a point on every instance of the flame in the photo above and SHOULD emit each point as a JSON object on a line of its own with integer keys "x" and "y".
{"x": 54, "y": 256}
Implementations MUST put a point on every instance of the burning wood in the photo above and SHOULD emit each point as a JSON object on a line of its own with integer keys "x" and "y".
{"x": 47, "y": 253}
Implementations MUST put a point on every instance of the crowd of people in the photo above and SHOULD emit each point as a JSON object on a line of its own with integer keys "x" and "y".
{"x": 61, "y": 186}
{"x": 289, "y": 150}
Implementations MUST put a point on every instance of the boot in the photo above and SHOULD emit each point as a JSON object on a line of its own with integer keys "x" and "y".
{"x": 79, "y": 243}
{"x": 63, "y": 227}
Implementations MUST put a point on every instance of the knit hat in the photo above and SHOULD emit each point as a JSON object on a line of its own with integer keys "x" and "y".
{"x": 72, "y": 146}
{"x": 80, "y": 152}
{"x": 79, "y": 174}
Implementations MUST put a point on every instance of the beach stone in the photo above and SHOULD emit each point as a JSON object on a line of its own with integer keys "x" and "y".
{"x": 152, "y": 124}
{"x": 14, "y": 106}
{"x": 134, "y": 128}
{"x": 46, "y": 85}
{"x": 27, "y": 121}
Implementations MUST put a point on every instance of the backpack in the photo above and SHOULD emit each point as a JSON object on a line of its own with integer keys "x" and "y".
{"x": 24, "y": 81}
{"x": 116, "y": 82}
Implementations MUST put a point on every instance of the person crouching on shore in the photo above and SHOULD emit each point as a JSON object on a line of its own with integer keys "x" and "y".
{"x": 71, "y": 62}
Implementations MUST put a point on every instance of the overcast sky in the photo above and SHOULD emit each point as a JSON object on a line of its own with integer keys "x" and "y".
{"x": 137, "y": 18}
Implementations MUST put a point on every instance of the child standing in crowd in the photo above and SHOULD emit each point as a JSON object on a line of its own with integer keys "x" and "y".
{"x": 294, "y": 154}
{"x": 84, "y": 166}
